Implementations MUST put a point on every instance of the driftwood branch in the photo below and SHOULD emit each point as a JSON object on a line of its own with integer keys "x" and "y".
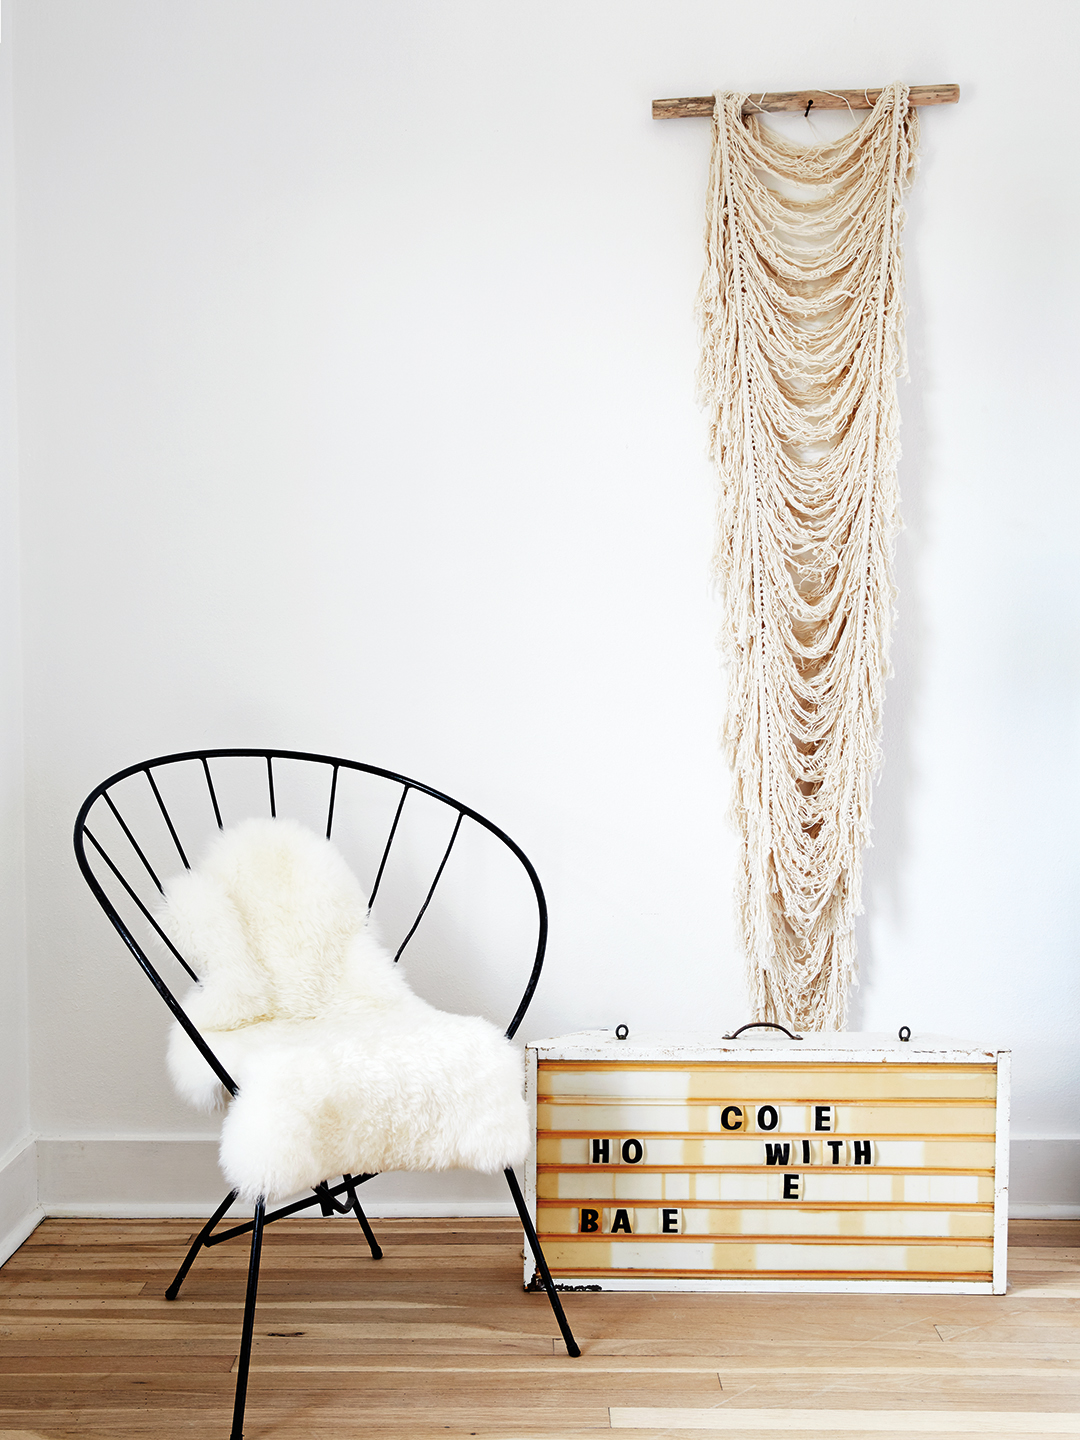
{"x": 801, "y": 99}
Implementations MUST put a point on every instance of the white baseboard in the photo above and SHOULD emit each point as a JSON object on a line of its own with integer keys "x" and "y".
{"x": 163, "y": 1175}
{"x": 19, "y": 1233}
{"x": 377, "y": 1210}
{"x": 1044, "y": 1177}
{"x": 20, "y": 1210}
{"x": 160, "y": 1176}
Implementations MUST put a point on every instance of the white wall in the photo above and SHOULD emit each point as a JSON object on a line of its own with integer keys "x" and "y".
{"x": 18, "y": 1180}
{"x": 356, "y": 413}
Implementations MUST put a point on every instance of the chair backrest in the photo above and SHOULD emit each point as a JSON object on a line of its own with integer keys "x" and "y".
{"x": 134, "y": 828}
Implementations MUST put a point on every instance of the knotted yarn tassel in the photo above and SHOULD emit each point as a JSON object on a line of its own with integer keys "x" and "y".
{"x": 802, "y": 345}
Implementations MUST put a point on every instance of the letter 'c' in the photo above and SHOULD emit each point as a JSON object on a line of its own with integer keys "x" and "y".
{"x": 731, "y": 1110}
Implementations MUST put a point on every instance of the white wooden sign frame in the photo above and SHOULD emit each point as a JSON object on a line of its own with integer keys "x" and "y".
{"x": 756, "y": 1048}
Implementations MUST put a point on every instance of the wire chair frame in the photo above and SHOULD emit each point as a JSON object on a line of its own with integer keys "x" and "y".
{"x": 90, "y": 851}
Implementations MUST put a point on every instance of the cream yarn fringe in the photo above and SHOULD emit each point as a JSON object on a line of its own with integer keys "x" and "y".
{"x": 802, "y": 330}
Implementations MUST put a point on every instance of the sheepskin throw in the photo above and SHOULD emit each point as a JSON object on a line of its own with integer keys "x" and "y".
{"x": 341, "y": 1068}
{"x": 802, "y": 333}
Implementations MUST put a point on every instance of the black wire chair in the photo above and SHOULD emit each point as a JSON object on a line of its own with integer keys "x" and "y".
{"x": 157, "y": 809}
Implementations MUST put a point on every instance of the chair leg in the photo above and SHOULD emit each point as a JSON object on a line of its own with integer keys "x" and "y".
{"x": 200, "y": 1240}
{"x": 572, "y": 1347}
{"x": 369, "y": 1234}
{"x": 244, "y": 1361}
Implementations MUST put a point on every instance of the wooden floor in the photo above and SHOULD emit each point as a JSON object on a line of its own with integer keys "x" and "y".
{"x": 439, "y": 1340}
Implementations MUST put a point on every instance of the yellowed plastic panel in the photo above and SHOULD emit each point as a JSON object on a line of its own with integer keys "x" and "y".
{"x": 562, "y": 1220}
{"x": 806, "y": 1082}
{"x": 742, "y": 1116}
{"x": 849, "y": 1186}
{"x": 946, "y": 1261}
{"x": 757, "y": 1150}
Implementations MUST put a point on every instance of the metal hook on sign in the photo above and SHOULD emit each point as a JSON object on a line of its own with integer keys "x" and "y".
{"x": 905, "y": 1032}
{"x": 621, "y": 1032}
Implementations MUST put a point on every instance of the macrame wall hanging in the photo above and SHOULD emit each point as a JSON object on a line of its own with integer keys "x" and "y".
{"x": 802, "y": 345}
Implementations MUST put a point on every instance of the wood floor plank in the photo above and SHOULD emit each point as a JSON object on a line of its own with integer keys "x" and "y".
{"x": 841, "y": 1422}
{"x": 1044, "y": 1232}
{"x": 440, "y": 1340}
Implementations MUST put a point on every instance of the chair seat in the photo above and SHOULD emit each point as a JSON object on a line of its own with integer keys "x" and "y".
{"x": 412, "y": 1089}
{"x": 341, "y": 1068}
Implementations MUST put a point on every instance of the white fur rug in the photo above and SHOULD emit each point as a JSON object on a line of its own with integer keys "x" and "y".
{"x": 342, "y": 1069}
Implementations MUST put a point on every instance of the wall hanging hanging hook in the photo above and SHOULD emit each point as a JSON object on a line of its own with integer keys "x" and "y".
{"x": 806, "y": 112}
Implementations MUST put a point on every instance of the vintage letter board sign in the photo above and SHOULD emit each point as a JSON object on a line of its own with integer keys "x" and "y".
{"x": 839, "y": 1162}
